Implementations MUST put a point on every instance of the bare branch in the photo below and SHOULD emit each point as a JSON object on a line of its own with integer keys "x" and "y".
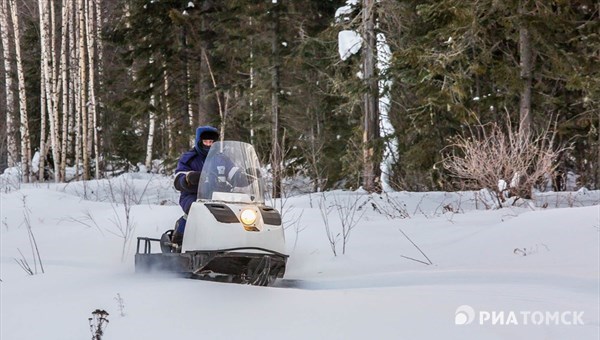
{"x": 419, "y": 249}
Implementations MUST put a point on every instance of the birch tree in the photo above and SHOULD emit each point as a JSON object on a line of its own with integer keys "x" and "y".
{"x": 49, "y": 100}
{"x": 151, "y": 128}
{"x": 74, "y": 95}
{"x": 11, "y": 141}
{"x": 24, "y": 120}
{"x": 54, "y": 88}
{"x": 64, "y": 83}
{"x": 169, "y": 122}
{"x": 82, "y": 90}
{"x": 91, "y": 53}
{"x": 100, "y": 72}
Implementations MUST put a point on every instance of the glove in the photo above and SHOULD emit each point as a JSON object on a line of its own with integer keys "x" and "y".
{"x": 192, "y": 177}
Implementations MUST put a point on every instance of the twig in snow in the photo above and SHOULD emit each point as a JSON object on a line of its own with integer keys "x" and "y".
{"x": 22, "y": 262}
{"x": 120, "y": 304}
{"x": 416, "y": 246}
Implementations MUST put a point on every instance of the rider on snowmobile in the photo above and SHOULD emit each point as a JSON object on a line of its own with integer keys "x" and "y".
{"x": 189, "y": 168}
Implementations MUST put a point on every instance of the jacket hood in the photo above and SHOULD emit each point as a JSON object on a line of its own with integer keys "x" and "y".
{"x": 204, "y": 132}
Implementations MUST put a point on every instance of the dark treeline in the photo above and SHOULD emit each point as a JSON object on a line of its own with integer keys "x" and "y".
{"x": 269, "y": 73}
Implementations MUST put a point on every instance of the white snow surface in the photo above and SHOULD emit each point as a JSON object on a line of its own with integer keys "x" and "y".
{"x": 526, "y": 259}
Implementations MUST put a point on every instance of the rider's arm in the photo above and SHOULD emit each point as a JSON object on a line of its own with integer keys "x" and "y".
{"x": 235, "y": 175}
{"x": 186, "y": 177}
{"x": 187, "y": 181}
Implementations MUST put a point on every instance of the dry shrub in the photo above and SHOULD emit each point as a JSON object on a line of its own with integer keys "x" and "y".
{"x": 491, "y": 156}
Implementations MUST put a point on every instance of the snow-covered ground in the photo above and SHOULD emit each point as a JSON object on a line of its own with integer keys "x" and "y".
{"x": 529, "y": 272}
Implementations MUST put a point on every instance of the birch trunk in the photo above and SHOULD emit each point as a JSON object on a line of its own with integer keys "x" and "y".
{"x": 11, "y": 141}
{"x": 65, "y": 87}
{"x": 188, "y": 83}
{"x": 55, "y": 87}
{"x": 190, "y": 111}
{"x": 252, "y": 94}
{"x": 83, "y": 90}
{"x": 43, "y": 87}
{"x": 170, "y": 142}
{"x": 24, "y": 120}
{"x": 90, "y": 39}
{"x": 151, "y": 126}
{"x": 42, "y": 152}
{"x": 73, "y": 101}
{"x": 77, "y": 127}
{"x": 100, "y": 71}
{"x": 48, "y": 84}
{"x": 98, "y": 38}
{"x": 53, "y": 82}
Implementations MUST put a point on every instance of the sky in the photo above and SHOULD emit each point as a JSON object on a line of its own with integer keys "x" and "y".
{"x": 416, "y": 265}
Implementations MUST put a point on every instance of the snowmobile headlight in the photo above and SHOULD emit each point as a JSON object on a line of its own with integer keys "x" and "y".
{"x": 248, "y": 216}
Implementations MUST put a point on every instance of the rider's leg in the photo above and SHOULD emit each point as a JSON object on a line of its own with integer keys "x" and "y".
{"x": 179, "y": 230}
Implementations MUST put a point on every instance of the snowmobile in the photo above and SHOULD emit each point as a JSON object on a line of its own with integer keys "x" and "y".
{"x": 231, "y": 235}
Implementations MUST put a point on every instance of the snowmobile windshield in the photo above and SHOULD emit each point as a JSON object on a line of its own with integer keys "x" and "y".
{"x": 231, "y": 173}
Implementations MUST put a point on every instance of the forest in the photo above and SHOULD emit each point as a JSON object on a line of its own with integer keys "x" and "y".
{"x": 107, "y": 86}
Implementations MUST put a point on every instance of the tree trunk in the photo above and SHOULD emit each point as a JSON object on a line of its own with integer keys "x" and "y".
{"x": 251, "y": 94}
{"x": 207, "y": 103}
{"x": 526, "y": 65}
{"x": 151, "y": 125}
{"x": 150, "y": 142}
{"x": 169, "y": 123}
{"x": 24, "y": 120}
{"x": 11, "y": 140}
{"x": 45, "y": 91}
{"x": 42, "y": 151}
{"x": 55, "y": 87}
{"x": 188, "y": 86}
{"x": 91, "y": 53}
{"x": 275, "y": 89}
{"x": 598, "y": 154}
{"x": 75, "y": 95}
{"x": 370, "y": 100}
{"x": 82, "y": 93}
{"x": 64, "y": 88}
{"x": 100, "y": 72}
{"x": 49, "y": 79}
{"x": 188, "y": 78}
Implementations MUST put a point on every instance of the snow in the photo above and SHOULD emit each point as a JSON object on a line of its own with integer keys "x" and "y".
{"x": 349, "y": 43}
{"x": 386, "y": 129}
{"x": 522, "y": 264}
{"x": 345, "y": 10}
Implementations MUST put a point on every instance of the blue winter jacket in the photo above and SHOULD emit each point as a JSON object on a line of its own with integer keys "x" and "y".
{"x": 192, "y": 160}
